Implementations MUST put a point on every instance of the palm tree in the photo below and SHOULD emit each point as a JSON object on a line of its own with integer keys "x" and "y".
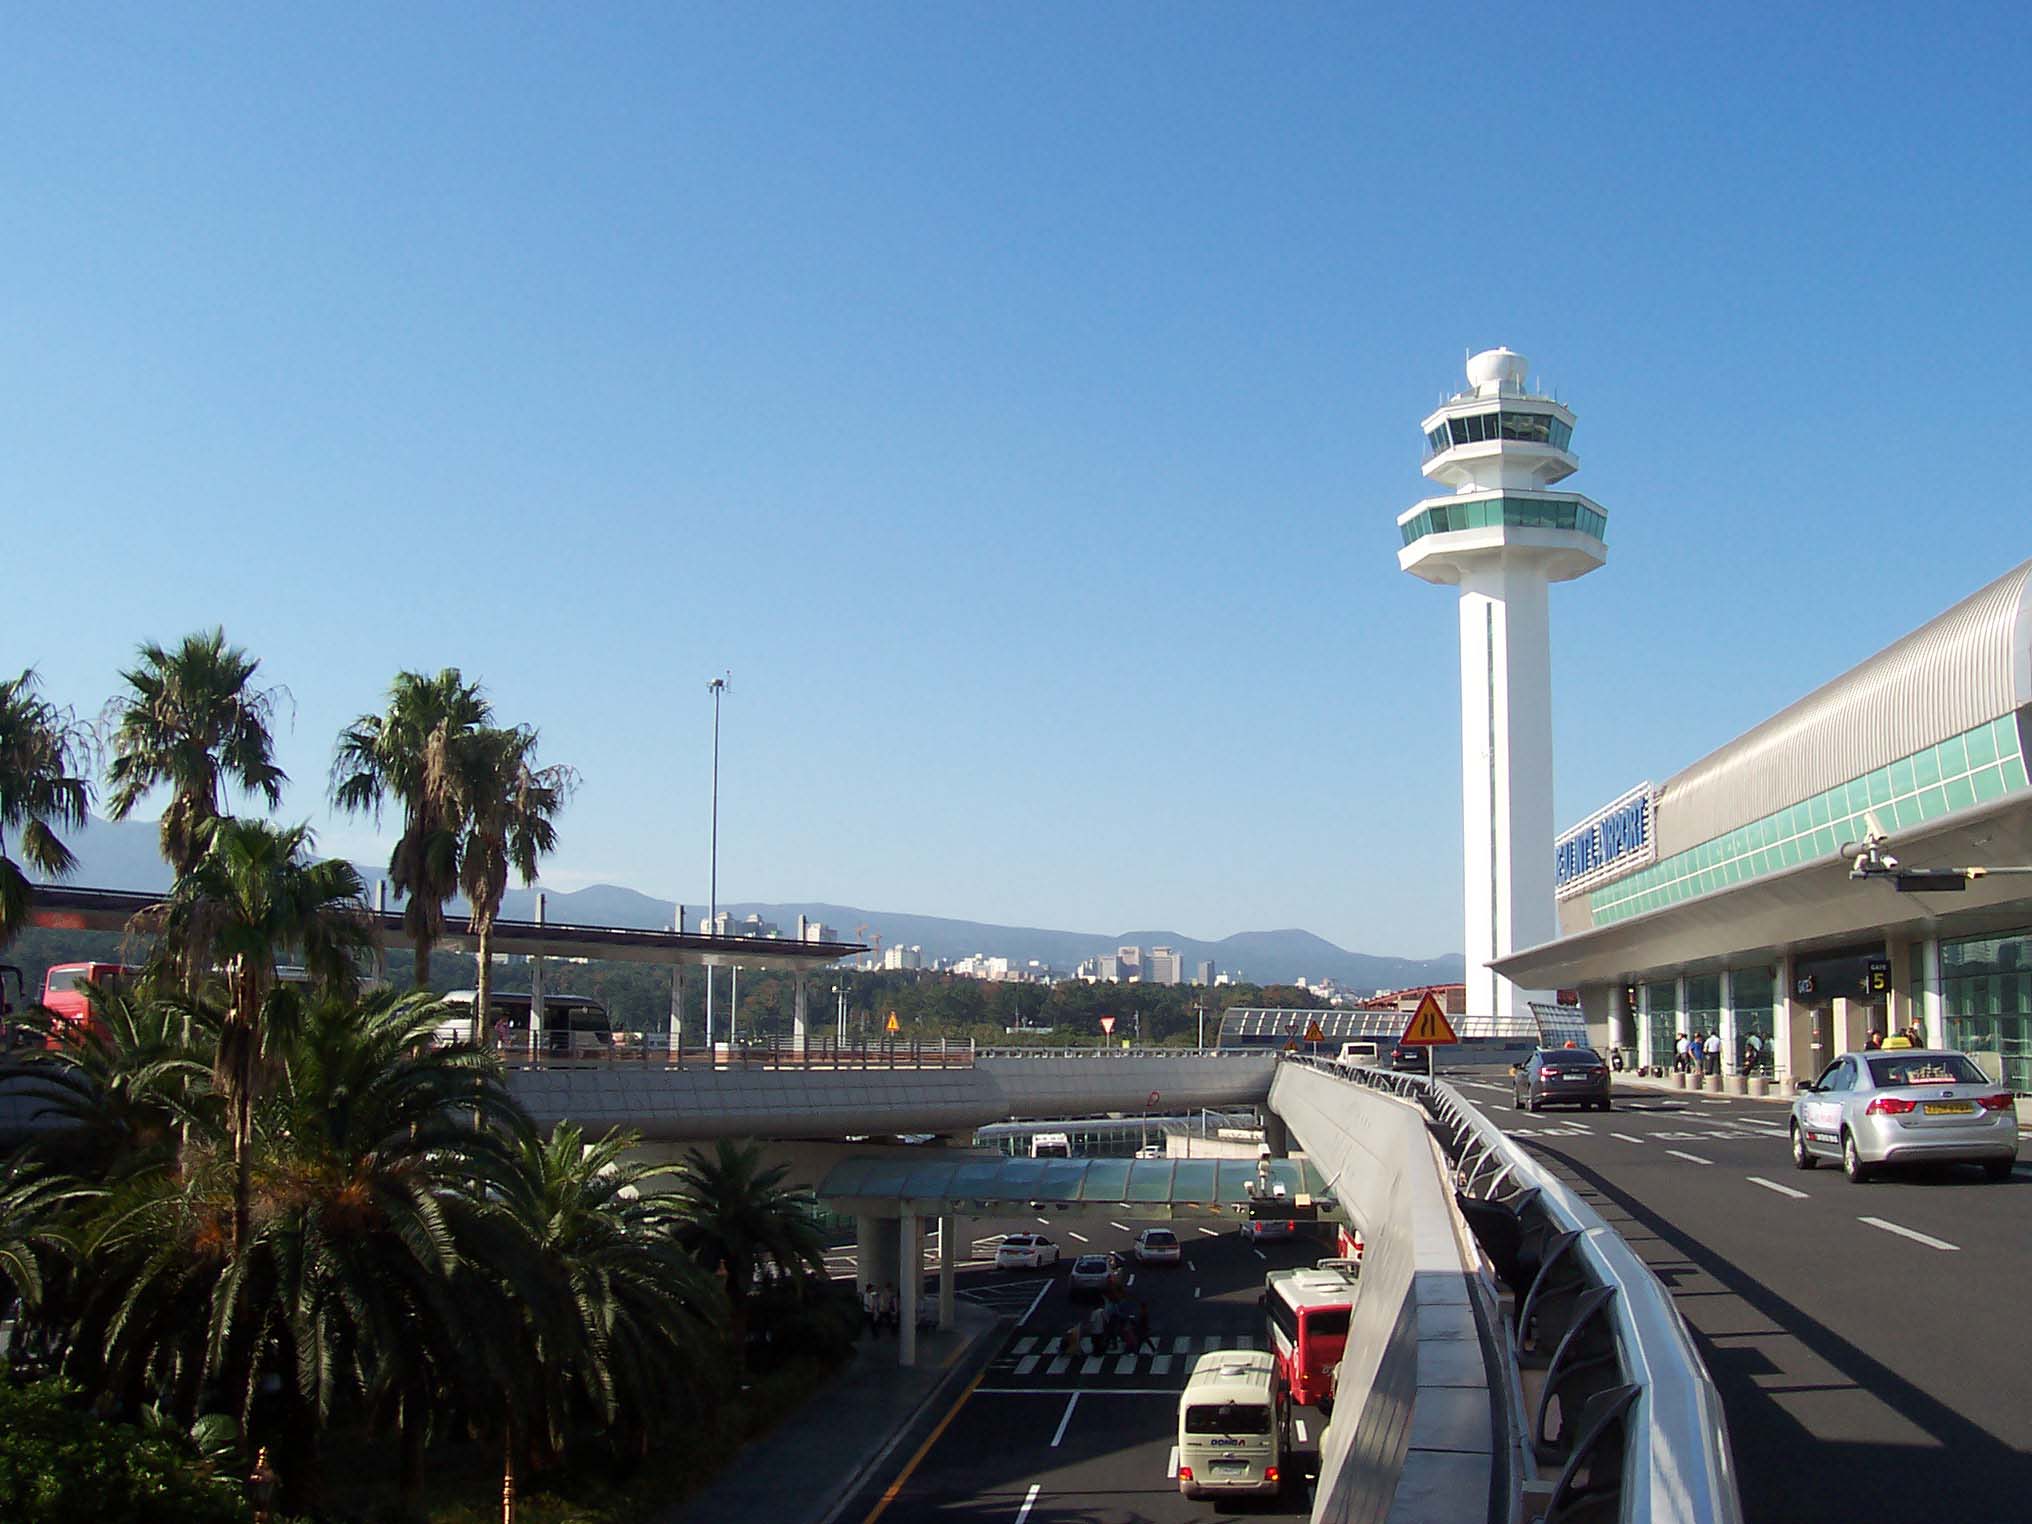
{"x": 33, "y": 1206}
{"x": 738, "y": 1217}
{"x": 252, "y": 900}
{"x": 40, "y": 748}
{"x": 192, "y": 719}
{"x": 411, "y": 752}
{"x": 509, "y": 807}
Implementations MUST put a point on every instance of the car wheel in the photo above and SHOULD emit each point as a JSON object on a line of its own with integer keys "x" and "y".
{"x": 1801, "y": 1158}
{"x": 1607, "y": 1106}
{"x": 1998, "y": 1169}
{"x": 1852, "y": 1161}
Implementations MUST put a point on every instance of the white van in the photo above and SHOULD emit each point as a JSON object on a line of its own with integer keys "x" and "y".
{"x": 1354, "y": 1054}
{"x": 1232, "y": 1418}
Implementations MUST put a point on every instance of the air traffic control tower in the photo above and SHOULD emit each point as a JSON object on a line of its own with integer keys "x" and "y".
{"x": 1502, "y": 538}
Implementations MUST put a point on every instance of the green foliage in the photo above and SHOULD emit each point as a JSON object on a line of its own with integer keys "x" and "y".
{"x": 61, "y": 1465}
{"x": 42, "y": 789}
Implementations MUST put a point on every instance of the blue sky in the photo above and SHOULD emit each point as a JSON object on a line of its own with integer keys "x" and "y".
{"x": 1019, "y": 400}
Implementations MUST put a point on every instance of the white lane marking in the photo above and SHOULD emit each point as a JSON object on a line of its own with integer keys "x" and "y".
{"x": 1912, "y": 1233}
{"x": 1303, "y": 1437}
{"x": 1160, "y": 1365}
{"x": 1259, "y": 1254}
{"x": 1213, "y": 1342}
{"x": 1192, "y": 1266}
{"x": 1626, "y": 1137}
{"x": 1773, "y": 1185}
{"x": 1045, "y": 1220}
{"x": 1182, "y": 1344}
{"x": 1041, "y": 1290}
{"x": 1171, "y": 1466}
{"x": 1029, "y": 1498}
{"x": 1024, "y": 1346}
{"x": 1195, "y": 1293}
{"x": 1126, "y": 1366}
{"x": 1121, "y": 1227}
{"x": 1210, "y": 1233}
{"x": 1680, "y": 1153}
{"x": 1080, "y": 1236}
{"x": 1091, "y": 1366}
{"x": 1059, "y": 1366}
{"x": 1070, "y": 1403}
{"x": 1132, "y": 1279}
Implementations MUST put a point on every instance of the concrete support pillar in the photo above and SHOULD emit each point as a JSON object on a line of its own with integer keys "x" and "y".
{"x": 948, "y": 1260}
{"x": 1730, "y": 1049}
{"x": 677, "y": 991}
{"x": 876, "y": 1263}
{"x": 1276, "y": 1136}
{"x": 535, "y": 1034}
{"x": 733, "y": 1004}
{"x": 1926, "y": 994}
{"x": 910, "y": 1251}
{"x": 709, "y": 1013}
{"x": 797, "y": 1012}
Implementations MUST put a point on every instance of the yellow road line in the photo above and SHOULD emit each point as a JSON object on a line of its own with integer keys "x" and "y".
{"x": 923, "y": 1450}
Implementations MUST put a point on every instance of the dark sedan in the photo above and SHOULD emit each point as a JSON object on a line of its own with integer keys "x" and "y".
{"x": 1561, "y": 1077}
{"x": 1410, "y": 1060}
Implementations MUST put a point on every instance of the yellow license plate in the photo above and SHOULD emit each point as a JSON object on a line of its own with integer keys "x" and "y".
{"x": 1948, "y": 1108}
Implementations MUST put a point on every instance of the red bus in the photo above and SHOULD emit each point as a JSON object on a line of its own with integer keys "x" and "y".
{"x": 64, "y": 997}
{"x": 1308, "y": 1312}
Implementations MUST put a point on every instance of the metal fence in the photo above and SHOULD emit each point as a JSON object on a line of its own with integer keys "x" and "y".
{"x": 651, "y": 1050}
{"x": 1621, "y": 1418}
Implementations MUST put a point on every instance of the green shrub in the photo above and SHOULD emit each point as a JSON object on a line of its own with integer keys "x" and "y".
{"x": 61, "y": 1465}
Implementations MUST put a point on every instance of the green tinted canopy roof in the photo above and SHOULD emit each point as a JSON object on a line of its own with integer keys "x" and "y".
{"x": 1148, "y": 1187}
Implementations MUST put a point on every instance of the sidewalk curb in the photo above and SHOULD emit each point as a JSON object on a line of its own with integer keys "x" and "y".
{"x": 935, "y": 1401}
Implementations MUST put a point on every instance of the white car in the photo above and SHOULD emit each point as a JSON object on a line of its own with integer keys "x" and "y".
{"x": 1025, "y": 1251}
{"x": 1157, "y": 1246}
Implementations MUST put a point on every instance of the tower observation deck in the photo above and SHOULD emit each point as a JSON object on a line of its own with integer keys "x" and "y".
{"x": 1503, "y": 536}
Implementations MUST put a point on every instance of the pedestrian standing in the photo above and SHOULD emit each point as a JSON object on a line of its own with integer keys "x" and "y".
{"x": 871, "y": 1308}
{"x": 1874, "y": 1041}
{"x": 1714, "y": 1053}
{"x": 1679, "y": 1055}
{"x": 892, "y": 1308}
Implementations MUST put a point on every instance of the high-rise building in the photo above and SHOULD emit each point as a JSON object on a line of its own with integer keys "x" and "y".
{"x": 1502, "y": 538}
{"x": 1129, "y": 963}
{"x": 1206, "y": 972}
{"x": 1162, "y": 966}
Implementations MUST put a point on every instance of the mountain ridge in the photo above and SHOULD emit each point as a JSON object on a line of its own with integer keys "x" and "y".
{"x": 124, "y": 855}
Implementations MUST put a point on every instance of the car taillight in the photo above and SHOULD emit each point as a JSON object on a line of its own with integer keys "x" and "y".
{"x": 1598, "y": 1073}
{"x": 1269, "y": 1473}
{"x": 2001, "y": 1102}
{"x": 1889, "y": 1105}
{"x": 1185, "y": 1473}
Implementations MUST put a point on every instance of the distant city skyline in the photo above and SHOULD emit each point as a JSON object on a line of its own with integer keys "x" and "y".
{"x": 1018, "y": 405}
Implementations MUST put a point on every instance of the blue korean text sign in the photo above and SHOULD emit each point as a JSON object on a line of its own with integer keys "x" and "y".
{"x": 1614, "y": 838}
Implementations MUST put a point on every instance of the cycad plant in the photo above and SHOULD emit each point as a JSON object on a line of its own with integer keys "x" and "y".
{"x": 193, "y": 720}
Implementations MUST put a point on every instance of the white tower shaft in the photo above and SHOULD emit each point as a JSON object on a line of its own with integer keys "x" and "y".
{"x": 1506, "y": 776}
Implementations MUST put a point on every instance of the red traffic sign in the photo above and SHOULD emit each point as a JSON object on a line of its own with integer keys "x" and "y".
{"x": 1428, "y": 1026}
{"x": 1107, "y": 1026}
{"x": 1153, "y": 1099}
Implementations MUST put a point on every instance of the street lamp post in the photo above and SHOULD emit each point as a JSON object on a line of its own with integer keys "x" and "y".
{"x": 716, "y": 688}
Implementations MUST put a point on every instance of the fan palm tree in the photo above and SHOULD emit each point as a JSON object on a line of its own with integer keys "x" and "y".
{"x": 509, "y": 807}
{"x": 255, "y": 898}
{"x": 737, "y": 1217}
{"x": 192, "y": 719}
{"x": 411, "y": 753}
{"x": 41, "y": 747}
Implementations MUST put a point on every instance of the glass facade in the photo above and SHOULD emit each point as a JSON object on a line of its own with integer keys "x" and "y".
{"x": 1753, "y": 997}
{"x": 1510, "y": 511}
{"x": 1482, "y": 428}
{"x": 1986, "y": 998}
{"x": 1965, "y": 770}
{"x": 1661, "y": 1010}
{"x": 1703, "y": 1003}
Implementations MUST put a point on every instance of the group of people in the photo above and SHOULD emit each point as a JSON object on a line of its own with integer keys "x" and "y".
{"x": 1905, "y": 1037}
{"x": 882, "y": 1307}
{"x": 1700, "y": 1053}
{"x": 1114, "y": 1324}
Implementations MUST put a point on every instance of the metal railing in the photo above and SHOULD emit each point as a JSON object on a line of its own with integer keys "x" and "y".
{"x": 1255, "y": 1054}
{"x": 651, "y": 1050}
{"x": 1623, "y": 1419}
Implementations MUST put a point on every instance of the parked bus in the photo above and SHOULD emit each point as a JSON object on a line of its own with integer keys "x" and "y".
{"x": 1308, "y": 1311}
{"x": 63, "y": 994}
{"x": 1050, "y": 1145}
{"x": 571, "y": 1023}
{"x": 1232, "y": 1418}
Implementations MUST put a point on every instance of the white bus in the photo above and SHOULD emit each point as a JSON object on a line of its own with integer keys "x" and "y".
{"x": 571, "y": 1023}
{"x": 1232, "y": 1418}
{"x": 1050, "y": 1145}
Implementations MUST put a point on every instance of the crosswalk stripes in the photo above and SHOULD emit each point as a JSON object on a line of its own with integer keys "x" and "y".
{"x": 1055, "y": 1356}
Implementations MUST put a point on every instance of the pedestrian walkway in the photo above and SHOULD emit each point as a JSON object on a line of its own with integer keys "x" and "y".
{"x": 1050, "y": 1360}
{"x": 805, "y": 1469}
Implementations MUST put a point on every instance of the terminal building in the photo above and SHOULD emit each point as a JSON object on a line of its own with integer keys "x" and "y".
{"x": 1723, "y": 900}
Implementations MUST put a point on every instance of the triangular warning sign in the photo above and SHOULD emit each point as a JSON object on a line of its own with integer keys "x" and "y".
{"x": 1107, "y": 1026}
{"x": 1314, "y": 1034}
{"x": 1428, "y": 1025}
{"x": 893, "y": 1025}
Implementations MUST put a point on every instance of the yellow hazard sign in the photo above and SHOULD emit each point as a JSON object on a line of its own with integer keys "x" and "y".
{"x": 896, "y": 1026}
{"x": 1314, "y": 1034}
{"x": 1428, "y": 1025}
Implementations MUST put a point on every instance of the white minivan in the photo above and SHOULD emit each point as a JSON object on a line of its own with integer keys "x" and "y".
{"x": 1232, "y": 1418}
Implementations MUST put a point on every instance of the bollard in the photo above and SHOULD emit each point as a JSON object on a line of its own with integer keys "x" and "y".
{"x": 1739, "y": 1084}
{"x": 1759, "y": 1085}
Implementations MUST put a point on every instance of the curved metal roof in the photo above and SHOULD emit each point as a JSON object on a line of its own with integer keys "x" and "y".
{"x": 1968, "y": 666}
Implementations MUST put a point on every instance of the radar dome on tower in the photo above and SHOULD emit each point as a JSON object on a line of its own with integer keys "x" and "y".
{"x": 1497, "y": 370}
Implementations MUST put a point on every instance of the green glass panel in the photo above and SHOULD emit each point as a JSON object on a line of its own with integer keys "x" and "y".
{"x": 1982, "y": 746}
{"x": 1149, "y": 1180}
{"x": 1989, "y": 782}
{"x": 1880, "y": 787}
{"x": 1960, "y": 794}
{"x": 1926, "y": 767}
{"x": 1902, "y": 781}
{"x": 2014, "y": 773}
{"x": 1953, "y": 757}
{"x": 1824, "y": 842}
{"x": 2007, "y": 736}
{"x": 1195, "y": 1180}
{"x": 1106, "y": 1180}
{"x": 1817, "y": 809}
{"x": 1932, "y": 803}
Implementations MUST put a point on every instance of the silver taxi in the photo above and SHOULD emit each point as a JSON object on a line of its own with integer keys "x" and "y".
{"x": 1892, "y": 1106}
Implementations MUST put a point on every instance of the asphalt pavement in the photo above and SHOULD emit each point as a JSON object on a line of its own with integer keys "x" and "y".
{"x": 1046, "y": 1434}
{"x": 1869, "y": 1341}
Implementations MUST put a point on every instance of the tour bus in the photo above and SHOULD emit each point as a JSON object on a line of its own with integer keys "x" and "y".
{"x": 1050, "y": 1145}
{"x": 63, "y": 994}
{"x": 571, "y": 1023}
{"x": 1308, "y": 1312}
{"x": 1232, "y": 1418}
